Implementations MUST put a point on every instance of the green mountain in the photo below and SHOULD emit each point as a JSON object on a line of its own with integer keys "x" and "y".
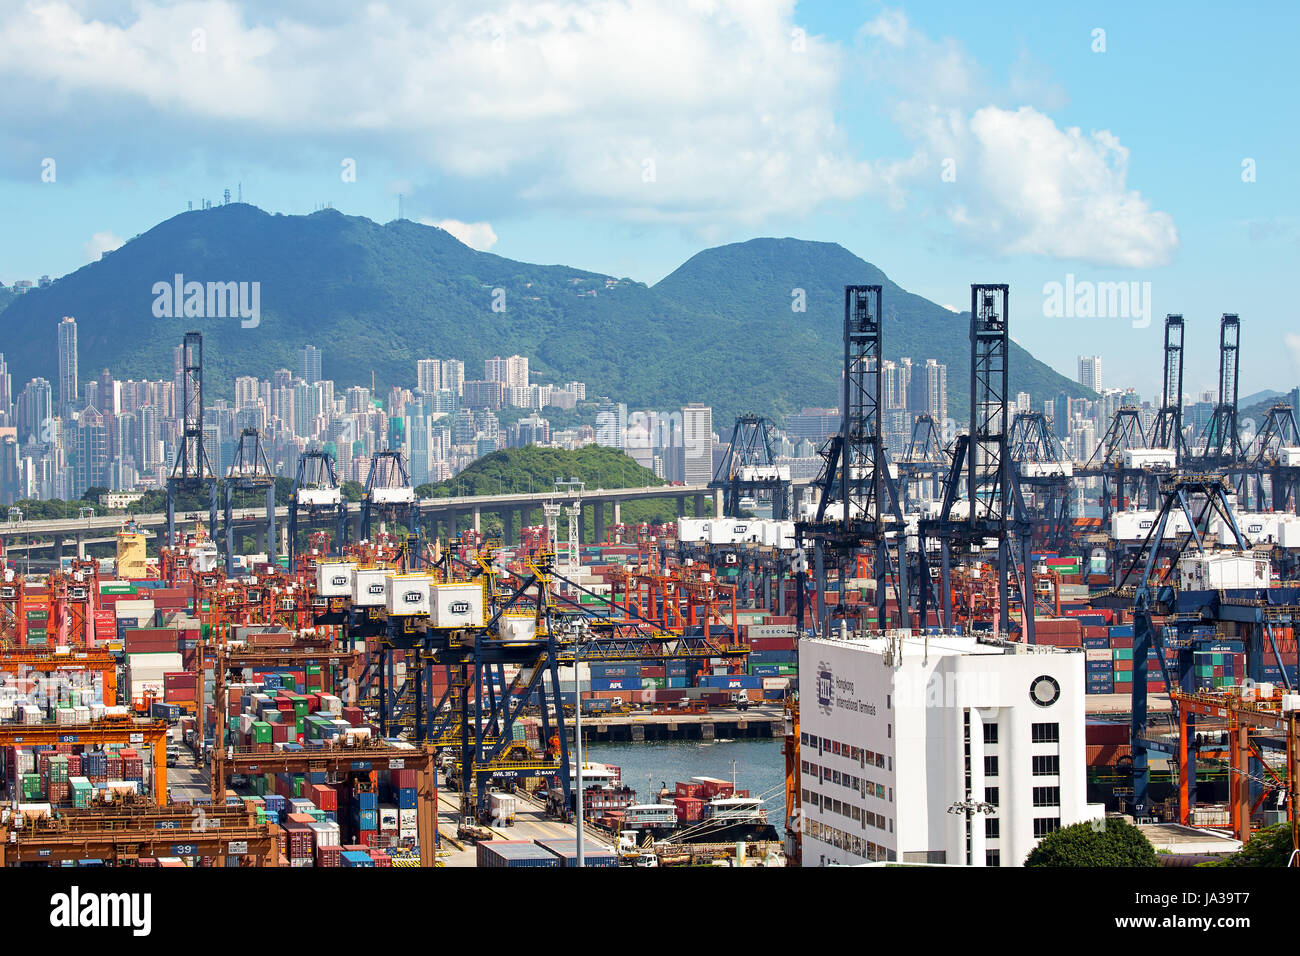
{"x": 748, "y": 291}
{"x": 376, "y": 298}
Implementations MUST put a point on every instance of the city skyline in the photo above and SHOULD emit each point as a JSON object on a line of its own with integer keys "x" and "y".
{"x": 1138, "y": 198}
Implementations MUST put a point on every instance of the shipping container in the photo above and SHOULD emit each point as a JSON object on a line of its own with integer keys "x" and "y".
{"x": 515, "y": 853}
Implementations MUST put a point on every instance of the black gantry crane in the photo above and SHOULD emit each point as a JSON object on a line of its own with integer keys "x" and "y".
{"x": 316, "y": 492}
{"x": 249, "y": 471}
{"x": 192, "y": 472}
{"x": 1221, "y": 442}
{"x": 389, "y": 493}
{"x": 1167, "y": 429}
{"x": 1042, "y": 468}
{"x": 981, "y": 467}
{"x": 860, "y": 506}
{"x": 749, "y": 468}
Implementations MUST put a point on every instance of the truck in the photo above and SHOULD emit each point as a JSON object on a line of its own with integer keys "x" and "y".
{"x": 502, "y": 808}
{"x": 740, "y": 700}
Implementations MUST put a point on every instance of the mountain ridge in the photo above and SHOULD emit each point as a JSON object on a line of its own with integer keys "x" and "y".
{"x": 719, "y": 329}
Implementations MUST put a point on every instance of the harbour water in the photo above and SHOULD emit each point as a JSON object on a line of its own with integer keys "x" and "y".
{"x": 759, "y": 766}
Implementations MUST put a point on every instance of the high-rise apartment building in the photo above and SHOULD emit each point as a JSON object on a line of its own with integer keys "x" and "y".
{"x": 428, "y": 375}
{"x": 453, "y": 376}
{"x": 697, "y": 444}
{"x": 512, "y": 371}
{"x": 1090, "y": 372}
{"x": 309, "y": 364}
{"x": 68, "y": 383}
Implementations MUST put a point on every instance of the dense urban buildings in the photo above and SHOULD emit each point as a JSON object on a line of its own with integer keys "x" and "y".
{"x": 57, "y": 440}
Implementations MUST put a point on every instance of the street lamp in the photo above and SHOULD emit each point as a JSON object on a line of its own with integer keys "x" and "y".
{"x": 577, "y": 724}
{"x": 970, "y": 808}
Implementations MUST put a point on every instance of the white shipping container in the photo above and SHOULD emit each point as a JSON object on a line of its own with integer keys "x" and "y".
{"x": 407, "y": 594}
{"x": 1148, "y": 458}
{"x": 1289, "y": 456}
{"x": 518, "y": 629}
{"x": 456, "y": 605}
{"x": 393, "y": 496}
{"x": 334, "y": 579}
{"x": 1223, "y": 569}
{"x": 721, "y": 530}
{"x": 1288, "y": 531}
{"x": 406, "y": 819}
{"x": 504, "y": 807}
{"x": 693, "y": 529}
{"x": 1131, "y": 525}
{"x": 369, "y": 587}
{"x": 319, "y": 497}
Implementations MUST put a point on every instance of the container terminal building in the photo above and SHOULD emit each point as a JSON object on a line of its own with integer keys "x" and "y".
{"x": 938, "y": 749}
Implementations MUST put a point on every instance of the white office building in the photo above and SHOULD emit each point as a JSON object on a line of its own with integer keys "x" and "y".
{"x": 940, "y": 750}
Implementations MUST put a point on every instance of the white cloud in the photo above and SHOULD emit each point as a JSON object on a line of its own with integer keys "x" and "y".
{"x": 1018, "y": 183}
{"x": 695, "y": 113}
{"x": 1293, "y": 346}
{"x": 100, "y": 243}
{"x": 476, "y": 235}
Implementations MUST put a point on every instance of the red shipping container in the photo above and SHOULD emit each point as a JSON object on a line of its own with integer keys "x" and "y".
{"x": 281, "y": 733}
{"x": 324, "y": 797}
{"x": 354, "y": 716}
{"x": 328, "y": 856}
{"x": 402, "y": 779}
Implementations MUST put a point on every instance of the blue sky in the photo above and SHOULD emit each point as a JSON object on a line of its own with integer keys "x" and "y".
{"x": 624, "y": 137}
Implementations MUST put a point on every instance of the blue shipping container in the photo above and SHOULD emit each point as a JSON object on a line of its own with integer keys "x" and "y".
{"x": 615, "y": 670}
{"x": 616, "y": 683}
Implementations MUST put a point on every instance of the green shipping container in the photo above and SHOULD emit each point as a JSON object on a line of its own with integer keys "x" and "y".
{"x": 261, "y": 732}
{"x": 1122, "y": 653}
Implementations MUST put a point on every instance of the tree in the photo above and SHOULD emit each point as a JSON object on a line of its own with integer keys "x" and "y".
{"x": 1270, "y": 846}
{"x": 94, "y": 493}
{"x": 1113, "y": 842}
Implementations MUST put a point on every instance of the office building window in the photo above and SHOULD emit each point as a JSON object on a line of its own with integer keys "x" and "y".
{"x": 991, "y": 828}
{"x": 992, "y": 858}
{"x": 1045, "y": 733}
{"x": 1045, "y": 825}
{"x": 990, "y": 733}
{"x": 1047, "y": 765}
{"x": 991, "y": 766}
{"x": 1047, "y": 796}
{"x": 991, "y": 795}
